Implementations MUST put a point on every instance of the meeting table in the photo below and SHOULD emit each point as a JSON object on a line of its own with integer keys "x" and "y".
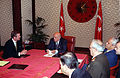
{"x": 39, "y": 66}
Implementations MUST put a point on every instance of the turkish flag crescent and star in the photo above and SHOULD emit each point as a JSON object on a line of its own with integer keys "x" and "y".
{"x": 62, "y": 23}
{"x": 99, "y": 23}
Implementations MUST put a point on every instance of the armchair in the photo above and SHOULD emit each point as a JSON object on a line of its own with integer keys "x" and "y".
{"x": 70, "y": 43}
{"x": 114, "y": 70}
{"x": 1, "y": 53}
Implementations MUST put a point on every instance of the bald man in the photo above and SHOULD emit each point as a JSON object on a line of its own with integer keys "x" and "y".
{"x": 57, "y": 45}
{"x": 110, "y": 51}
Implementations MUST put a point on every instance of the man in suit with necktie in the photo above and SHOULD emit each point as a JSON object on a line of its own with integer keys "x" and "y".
{"x": 57, "y": 45}
{"x": 13, "y": 47}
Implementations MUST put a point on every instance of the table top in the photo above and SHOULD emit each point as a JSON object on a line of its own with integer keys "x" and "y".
{"x": 39, "y": 66}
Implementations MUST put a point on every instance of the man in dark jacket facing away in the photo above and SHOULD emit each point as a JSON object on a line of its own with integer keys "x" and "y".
{"x": 69, "y": 66}
{"x": 99, "y": 66}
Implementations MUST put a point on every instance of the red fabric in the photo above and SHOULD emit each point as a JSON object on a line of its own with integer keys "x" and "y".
{"x": 84, "y": 57}
{"x": 39, "y": 66}
{"x": 99, "y": 23}
{"x": 62, "y": 23}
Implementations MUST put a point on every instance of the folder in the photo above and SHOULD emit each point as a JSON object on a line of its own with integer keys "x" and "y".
{"x": 18, "y": 66}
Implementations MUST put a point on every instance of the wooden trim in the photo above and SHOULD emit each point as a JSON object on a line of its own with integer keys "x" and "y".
{"x": 33, "y": 13}
{"x": 16, "y": 4}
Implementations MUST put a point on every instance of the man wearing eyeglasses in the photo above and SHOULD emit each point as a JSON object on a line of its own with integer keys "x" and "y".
{"x": 110, "y": 51}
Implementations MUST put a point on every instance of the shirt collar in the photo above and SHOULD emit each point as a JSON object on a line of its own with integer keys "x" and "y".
{"x": 58, "y": 42}
{"x": 14, "y": 40}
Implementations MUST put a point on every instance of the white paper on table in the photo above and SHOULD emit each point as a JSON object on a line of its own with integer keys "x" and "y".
{"x": 2, "y": 63}
{"x": 49, "y": 55}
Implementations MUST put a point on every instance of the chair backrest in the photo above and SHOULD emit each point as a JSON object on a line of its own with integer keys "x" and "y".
{"x": 1, "y": 53}
{"x": 70, "y": 43}
{"x": 114, "y": 69}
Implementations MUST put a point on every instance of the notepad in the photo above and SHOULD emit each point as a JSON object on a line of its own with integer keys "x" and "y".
{"x": 18, "y": 66}
{"x": 2, "y": 63}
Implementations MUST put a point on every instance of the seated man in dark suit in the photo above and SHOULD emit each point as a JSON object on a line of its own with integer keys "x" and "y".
{"x": 57, "y": 45}
{"x": 110, "y": 51}
{"x": 13, "y": 47}
{"x": 99, "y": 66}
{"x": 69, "y": 66}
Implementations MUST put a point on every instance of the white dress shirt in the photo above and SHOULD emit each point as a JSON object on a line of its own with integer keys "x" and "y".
{"x": 15, "y": 44}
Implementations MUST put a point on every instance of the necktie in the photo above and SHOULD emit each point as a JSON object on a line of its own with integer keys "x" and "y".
{"x": 57, "y": 45}
{"x": 16, "y": 46}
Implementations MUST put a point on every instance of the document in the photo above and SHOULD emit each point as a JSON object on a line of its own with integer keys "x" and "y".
{"x": 2, "y": 63}
{"x": 49, "y": 55}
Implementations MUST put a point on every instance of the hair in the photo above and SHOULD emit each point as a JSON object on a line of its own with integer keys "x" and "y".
{"x": 115, "y": 40}
{"x": 70, "y": 60}
{"x": 14, "y": 33}
{"x": 97, "y": 46}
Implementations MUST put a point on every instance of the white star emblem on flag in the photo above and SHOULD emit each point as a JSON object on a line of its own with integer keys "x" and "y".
{"x": 99, "y": 29}
{"x": 61, "y": 28}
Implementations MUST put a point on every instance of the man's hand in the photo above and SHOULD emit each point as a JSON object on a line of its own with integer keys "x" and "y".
{"x": 53, "y": 51}
{"x": 23, "y": 52}
{"x": 48, "y": 51}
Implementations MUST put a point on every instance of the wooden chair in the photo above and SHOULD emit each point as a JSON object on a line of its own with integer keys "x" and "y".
{"x": 114, "y": 70}
{"x": 70, "y": 43}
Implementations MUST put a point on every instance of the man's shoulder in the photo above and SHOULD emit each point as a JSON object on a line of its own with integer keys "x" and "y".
{"x": 81, "y": 73}
{"x": 100, "y": 56}
{"x": 9, "y": 41}
{"x": 100, "y": 59}
{"x": 63, "y": 39}
{"x": 111, "y": 52}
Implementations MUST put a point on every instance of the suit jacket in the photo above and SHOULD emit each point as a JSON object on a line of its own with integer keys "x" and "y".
{"x": 99, "y": 67}
{"x": 10, "y": 49}
{"x": 79, "y": 73}
{"x": 62, "y": 47}
{"x": 112, "y": 57}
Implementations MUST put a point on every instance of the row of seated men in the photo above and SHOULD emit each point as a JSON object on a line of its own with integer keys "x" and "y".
{"x": 102, "y": 57}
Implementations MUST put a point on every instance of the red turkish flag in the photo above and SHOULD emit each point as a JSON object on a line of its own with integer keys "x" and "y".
{"x": 62, "y": 23}
{"x": 99, "y": 23}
